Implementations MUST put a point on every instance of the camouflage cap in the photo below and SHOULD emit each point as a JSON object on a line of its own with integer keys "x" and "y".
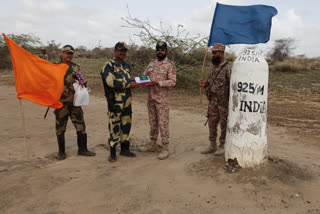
{"x": 161, "y": 45}
{"x": 218, "y": 47}
{"x": 67, "y": 49}
{"x": 121, "y": 46}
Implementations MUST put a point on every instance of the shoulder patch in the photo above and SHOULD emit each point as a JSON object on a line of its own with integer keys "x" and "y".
{"x": 110, "y": 62}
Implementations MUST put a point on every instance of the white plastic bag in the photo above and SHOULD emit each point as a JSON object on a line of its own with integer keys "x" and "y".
{"x": 81, "y": 97}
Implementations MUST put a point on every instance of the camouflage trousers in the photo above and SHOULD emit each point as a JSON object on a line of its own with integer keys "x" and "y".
{"x": 120, "y": 126}
{"x": 218, "y": 113}
{"x": 76, "y": 115}
{"x": 159, "y": 119}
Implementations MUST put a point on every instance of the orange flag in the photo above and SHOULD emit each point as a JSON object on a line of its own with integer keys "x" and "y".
{"x": 37, "y": 80}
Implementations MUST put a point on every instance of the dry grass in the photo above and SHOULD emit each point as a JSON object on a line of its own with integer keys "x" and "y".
{"x": 303, "y": 85}
{"x": 296, "y": 64}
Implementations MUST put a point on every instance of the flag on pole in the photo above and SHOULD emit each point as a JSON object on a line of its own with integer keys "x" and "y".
{"x": 36, "y": 79}
{"x": 241, "y": 24}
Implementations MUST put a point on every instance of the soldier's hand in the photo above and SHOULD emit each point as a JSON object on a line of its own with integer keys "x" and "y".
{"x": 154, "y": 83}
{"x": 133, "y": 84}
{"x": 202, "y": 83}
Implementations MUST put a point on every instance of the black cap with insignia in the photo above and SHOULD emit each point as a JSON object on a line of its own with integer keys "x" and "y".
{"x": 121, "y": 46}
{"x": 161, "y": 45}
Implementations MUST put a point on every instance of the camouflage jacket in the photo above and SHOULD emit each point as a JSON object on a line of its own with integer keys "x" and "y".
{"x": 116, "y": 76}
{"x": 220, "y": 87}
{"x": 163, "y": 72}
{"x": 69, "y": 79}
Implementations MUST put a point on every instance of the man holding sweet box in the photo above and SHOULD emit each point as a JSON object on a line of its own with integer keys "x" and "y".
{"x": 162, "y": 73}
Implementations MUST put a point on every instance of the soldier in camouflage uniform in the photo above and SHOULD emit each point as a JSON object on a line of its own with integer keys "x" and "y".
{"x": 217, "y": 89}
{"x": 162, "y": 73}
{"x": 116, "y": 78}
{"x": 68, "y": 110}
{"x": 43, "y": 54}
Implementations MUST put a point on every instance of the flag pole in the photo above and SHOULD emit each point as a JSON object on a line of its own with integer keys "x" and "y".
{"x": 202, "y": 71}
{"x": 26, "y": 150}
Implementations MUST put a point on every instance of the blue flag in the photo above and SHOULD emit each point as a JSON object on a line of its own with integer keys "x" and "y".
{"x": 241, "y": 24}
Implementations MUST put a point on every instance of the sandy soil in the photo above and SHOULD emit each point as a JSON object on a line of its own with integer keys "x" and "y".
{"x": 187, "y": 182}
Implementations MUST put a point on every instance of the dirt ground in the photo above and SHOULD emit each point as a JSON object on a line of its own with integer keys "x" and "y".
{"x": 187, "y": 182}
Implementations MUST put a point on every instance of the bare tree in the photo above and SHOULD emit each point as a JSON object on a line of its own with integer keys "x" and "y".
{"x": 182, "y": 44}
{"x": 282, "y": 49}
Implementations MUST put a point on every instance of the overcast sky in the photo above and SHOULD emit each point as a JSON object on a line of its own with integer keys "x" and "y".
{"x": 82, "y": 22}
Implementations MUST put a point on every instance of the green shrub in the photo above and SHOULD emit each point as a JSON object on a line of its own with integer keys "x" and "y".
{"x": 29, "y": 42}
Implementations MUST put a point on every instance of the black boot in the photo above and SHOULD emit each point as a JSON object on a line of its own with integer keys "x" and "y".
{"x": 125, "y": 149}
{"x": 82, "y": 145}
{"x": 61, "y": 143}
{"x": 113, "y": 154}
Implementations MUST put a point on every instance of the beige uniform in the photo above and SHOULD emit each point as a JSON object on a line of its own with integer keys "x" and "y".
{"x": 163, "y": 72}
